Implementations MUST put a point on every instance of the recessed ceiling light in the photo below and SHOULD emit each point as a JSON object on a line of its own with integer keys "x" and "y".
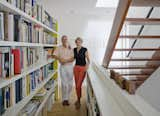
{"x": 107, "y": 3}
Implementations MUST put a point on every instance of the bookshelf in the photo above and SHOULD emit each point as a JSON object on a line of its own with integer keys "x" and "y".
{"x": 28, "y": 34}
{"x": 5, "y": 6}
{"x": 17, "y": 107}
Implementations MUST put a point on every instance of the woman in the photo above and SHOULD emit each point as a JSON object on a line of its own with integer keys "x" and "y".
{"x": 82, "y": 62}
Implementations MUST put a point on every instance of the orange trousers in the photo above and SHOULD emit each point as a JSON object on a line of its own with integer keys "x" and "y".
{"x": 79, "y": 75}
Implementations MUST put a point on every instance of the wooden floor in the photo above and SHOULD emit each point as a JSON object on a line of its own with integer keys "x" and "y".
{"x": 59, "y": 110}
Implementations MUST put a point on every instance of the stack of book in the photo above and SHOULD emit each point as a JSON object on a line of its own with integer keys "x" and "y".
{"x": 129, "y": 84}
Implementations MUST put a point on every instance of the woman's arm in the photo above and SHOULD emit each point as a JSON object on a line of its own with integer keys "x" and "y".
{"x": 88, "y": 59}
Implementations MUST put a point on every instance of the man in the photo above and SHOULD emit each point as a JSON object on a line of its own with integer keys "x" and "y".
{"x": 65, "y": 56}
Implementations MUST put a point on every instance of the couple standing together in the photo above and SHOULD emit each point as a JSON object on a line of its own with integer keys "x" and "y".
{"x": 66, "y": 57}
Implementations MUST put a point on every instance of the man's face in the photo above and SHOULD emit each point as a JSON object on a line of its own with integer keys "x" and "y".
{"x": 64, "y": 40}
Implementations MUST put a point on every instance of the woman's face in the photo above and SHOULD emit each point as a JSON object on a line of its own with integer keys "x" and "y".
{"x": 79, "y": 43}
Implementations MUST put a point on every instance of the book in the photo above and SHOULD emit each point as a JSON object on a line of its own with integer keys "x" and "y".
{"x": 1, "y": 101}
{"x": 28, "y": 85}
{"x": 18, "y": 90}
{"x": 1, "y": 26}
{"x": 12, "y": 94}
{"x": 17, "y": 60}
{"x": 11, "y": 27}
{"x": 12, "y": 65}
{"x": 7, "y": 97}
{"x": 16, "y": 28}
{"x": 1, "y": 72}
{"x": 5, "y": 61}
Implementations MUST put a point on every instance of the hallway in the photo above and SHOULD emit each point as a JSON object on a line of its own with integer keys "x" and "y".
{"x": 59, "y": 110}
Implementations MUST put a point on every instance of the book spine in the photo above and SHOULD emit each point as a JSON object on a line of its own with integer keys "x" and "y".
{"x": 1, "y": 26}
{"x": 17, "y": 61}
{"x": 10, "y": 27}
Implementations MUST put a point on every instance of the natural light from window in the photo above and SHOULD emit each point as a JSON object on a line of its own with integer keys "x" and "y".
{"x": 107, "y": 3}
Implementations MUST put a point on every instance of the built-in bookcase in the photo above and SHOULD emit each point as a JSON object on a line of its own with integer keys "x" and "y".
{"x": 28, "y": 73}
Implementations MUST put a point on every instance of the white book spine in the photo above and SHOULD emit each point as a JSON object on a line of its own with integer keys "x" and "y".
{"x": 12, "y": 64}
{"x": 11, "y": 27}
{"x": 1, "y": 26}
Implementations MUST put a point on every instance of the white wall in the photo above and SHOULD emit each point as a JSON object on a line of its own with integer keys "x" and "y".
{"x": 150, "y": 90}
{"x": 82, "y": 19}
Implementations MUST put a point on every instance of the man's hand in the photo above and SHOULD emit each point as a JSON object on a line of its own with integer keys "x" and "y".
{"x": 62, "y": 61}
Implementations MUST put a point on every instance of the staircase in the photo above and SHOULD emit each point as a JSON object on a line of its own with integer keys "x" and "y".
{"x": 136, "y": 61}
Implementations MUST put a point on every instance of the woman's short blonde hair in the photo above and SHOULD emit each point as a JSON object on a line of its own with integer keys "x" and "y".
{"x": 78, "y": 39}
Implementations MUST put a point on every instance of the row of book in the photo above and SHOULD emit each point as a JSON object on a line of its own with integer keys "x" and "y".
{"x": 129, "y": 84}
{"x": 49, "y": 38}
{"x": 22, "y": 88}
{"x": 31, "y": 108}
{"x": 17, "y": 60}
{"x": 15, "y": 28}
{"x": 36, "y": 10}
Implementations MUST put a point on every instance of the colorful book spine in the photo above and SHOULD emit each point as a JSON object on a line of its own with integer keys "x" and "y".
{"x": 17, "y": 60}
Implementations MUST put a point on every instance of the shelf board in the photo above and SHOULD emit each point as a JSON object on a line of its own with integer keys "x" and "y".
{"x": 5, "y": 82}
{"x": 5, "y": 6}
{"x": 25, "y": 44}
{"x": 143, "y": 21}
{"x": 17, "y": 107}
{"x": 139, "y": 37}
{"x": 50, "y": 45}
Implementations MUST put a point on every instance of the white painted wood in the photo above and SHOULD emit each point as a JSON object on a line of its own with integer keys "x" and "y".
{"x": 131, "y": 105}
{"x": 5, "y": 82}
{"x": 14, "y": 110}
{"x": 106, "y": 103}
{"x": 5, "y": 6}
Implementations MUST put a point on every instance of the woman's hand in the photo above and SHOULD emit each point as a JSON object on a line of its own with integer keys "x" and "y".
{"x": 86, "y": 67}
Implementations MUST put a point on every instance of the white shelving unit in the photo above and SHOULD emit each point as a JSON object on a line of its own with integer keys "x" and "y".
{"x": 14, "y": 110}
{"x": 5, "y": 6}
{"x": 17, "y": 107}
